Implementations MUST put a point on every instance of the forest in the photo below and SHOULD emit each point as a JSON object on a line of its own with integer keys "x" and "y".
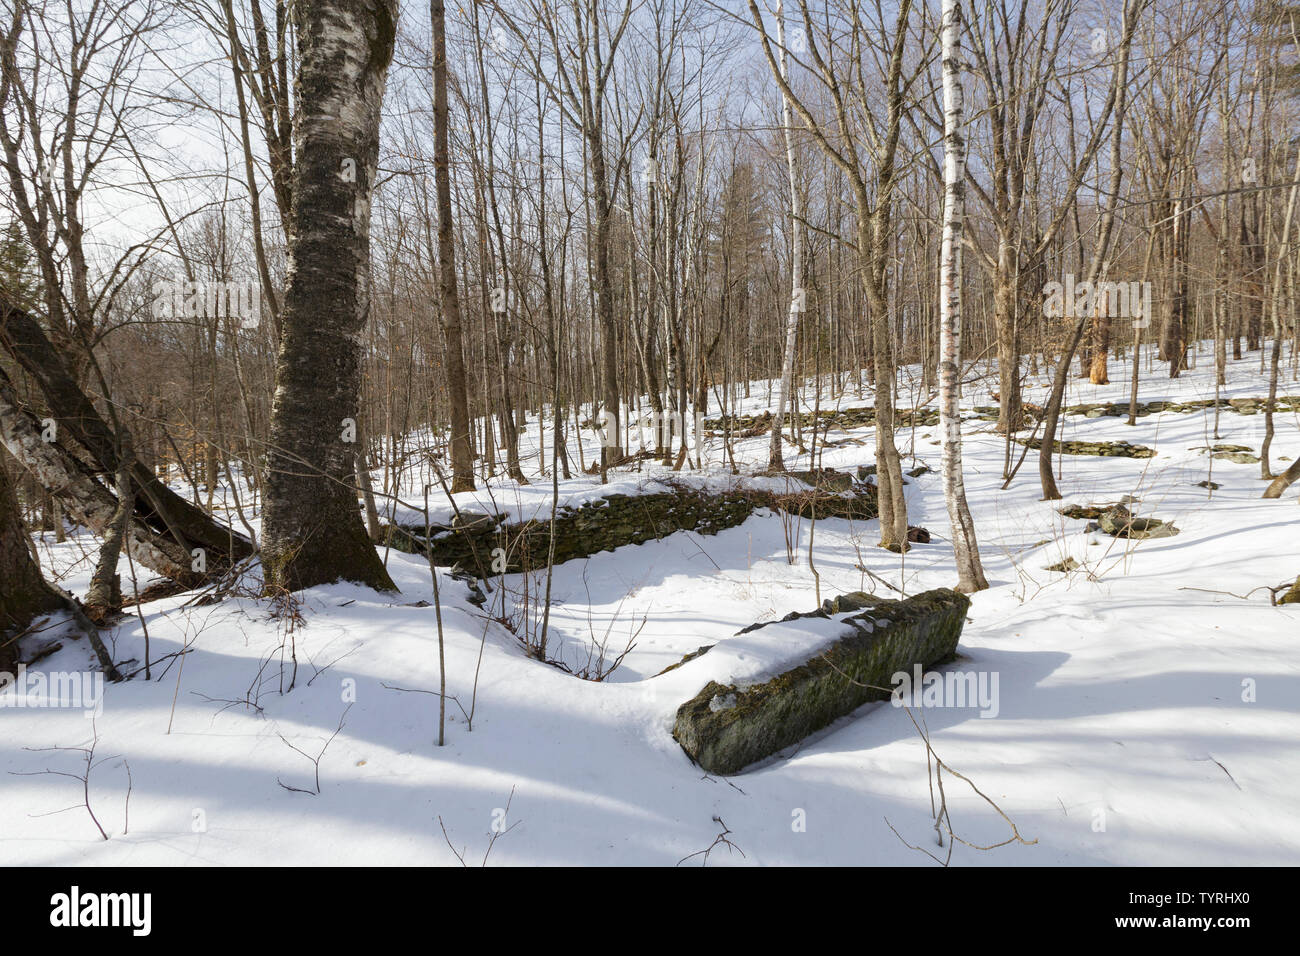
{"x": 649, "y": 432}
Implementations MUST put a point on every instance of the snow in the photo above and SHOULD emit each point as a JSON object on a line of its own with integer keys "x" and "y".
{"x": 1146, "y": 713}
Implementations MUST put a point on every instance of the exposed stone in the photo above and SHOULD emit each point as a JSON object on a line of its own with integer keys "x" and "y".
{"x": 474, "y": 519}
{"x": 688, "y": 657}
{"x": 1243, "y": 406}
{"x": 614, "y": 521}
{"x": 1069, "y": 564}
{"x": 1120, "y": 523}
{"x": 1238, "y": 454}
{"x": 841, "y": 418}
{"x": 1102, "y": 449}
{"x": 1091, "y": 512}
{"x": 825, "y": 479}
{"x": 725, "y": 728}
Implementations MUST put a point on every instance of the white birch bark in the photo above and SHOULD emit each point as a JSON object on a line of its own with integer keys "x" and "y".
{"x": 776, "y": 460}
{"x": 970, "y": 574}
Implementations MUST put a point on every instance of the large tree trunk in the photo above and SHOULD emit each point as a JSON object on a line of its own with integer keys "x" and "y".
{"x": 462, "y": 453}
{"x": 970, "y": 574}
{"x": 23, "y": 593}
{"x": 611, "y": 451}
{"x": 1098, "y": 373}
{"x": 313, "y": 530}
{"x": 872, "y": 236}
{"x": 1173, "y": 344}
{"x": 1006, "y": 318}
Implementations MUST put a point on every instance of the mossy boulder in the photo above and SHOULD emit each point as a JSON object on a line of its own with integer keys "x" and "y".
{"x": 725, "y": 728}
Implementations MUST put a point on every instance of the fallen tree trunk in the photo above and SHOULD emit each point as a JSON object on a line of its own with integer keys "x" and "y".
{"x": 1283, "y": 481}
{"x": 87, "y": 501}
{"x": 156, "y": 504}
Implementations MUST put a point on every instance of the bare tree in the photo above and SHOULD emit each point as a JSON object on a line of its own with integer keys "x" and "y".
{"x": 313, "y": 529}
{"x": 970, "y": 574}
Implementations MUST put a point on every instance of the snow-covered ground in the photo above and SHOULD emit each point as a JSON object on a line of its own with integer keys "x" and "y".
{"x": 1147, "y": 707}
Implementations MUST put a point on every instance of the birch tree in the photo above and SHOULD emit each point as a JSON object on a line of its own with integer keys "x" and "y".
{"x": 775, "y": 458}
{"x": 970, "y": 575}
{"x": 313, "y": 529}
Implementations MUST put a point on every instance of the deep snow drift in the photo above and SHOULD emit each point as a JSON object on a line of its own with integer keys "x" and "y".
{"x": 1144, "y": 714}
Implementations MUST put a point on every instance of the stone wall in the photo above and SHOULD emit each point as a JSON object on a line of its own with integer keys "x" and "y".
{"x": 725, "y": 728}
{"x": 614, "y": 521}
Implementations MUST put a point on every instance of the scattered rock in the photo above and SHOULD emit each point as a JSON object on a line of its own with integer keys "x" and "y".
{"x": 1069, "y": 564}
{"x": 1238, "y": 454}
{"x": 1121, "y": 523}
{"x": 1092, "y": 512}
{"x": 1101, "y": 449}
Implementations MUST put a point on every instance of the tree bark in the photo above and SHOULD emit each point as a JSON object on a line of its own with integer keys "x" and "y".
{"x": 775, "y": 457}
{"x": 313, "y": 529}
{"x": 1283, "y": 481}
{"x": 161, "y": 508}
{"x": 970, "y": 574}
{"x": 23, "y": 593}
{"x": 87, "y": 501}
{"x": 462, "y": 452}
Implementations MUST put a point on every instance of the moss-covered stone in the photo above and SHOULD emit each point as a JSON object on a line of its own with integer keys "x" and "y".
{"x": 1238, "y": 454}
{"x": 1069, "y": 564}
{"x": 725, "y": 728}
{"x": 1119, "y": 522}
{"x": 1101, "y": 449}
{"x": 1292, "y": 596}
{"x": 1242, "y": 406}
{"x": 615, "y": 521}
{"x": 840, "y": 418}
